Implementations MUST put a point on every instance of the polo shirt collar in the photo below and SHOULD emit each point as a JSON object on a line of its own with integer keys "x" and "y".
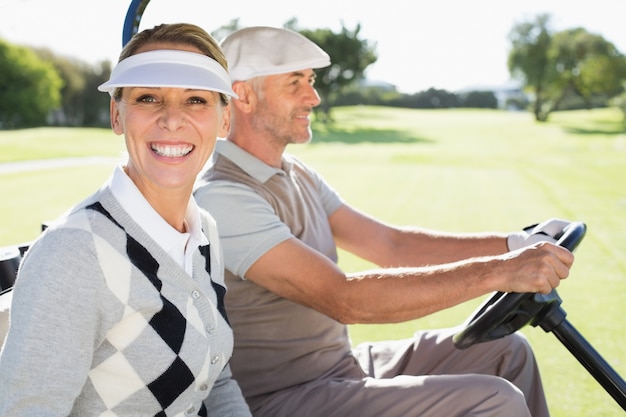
{"x": 252, "y": 165}
{"x": 178, "y": 245}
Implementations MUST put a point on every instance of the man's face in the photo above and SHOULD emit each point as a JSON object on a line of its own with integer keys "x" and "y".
{"x": 285, "y": 104}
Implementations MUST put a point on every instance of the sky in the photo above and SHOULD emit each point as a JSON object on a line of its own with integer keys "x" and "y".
{"x": 446, "y": 44}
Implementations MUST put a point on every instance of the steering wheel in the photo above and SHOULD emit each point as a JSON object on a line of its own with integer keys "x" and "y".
{"x": 505, "y": 313}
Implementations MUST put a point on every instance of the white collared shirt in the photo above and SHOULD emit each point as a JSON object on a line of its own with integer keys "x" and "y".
{"x": 180, "y": 246}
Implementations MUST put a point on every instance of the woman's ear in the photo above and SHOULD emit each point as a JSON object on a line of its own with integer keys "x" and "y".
{"x": 224, "y": 127}
{"x": 116, "y": 121}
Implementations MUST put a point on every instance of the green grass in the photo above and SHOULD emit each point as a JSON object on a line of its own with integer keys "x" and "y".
{"x": 457, "y": 170}
{"x": 48, "y": 143}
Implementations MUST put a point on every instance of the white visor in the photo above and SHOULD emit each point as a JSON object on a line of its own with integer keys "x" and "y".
{"x": 169, "y": 68}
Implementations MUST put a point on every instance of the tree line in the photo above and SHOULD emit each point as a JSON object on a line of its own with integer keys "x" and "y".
{"x": 38, "y": 87}
{"x": 557, "y": 71}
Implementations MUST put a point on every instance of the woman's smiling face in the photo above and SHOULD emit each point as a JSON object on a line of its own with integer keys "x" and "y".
{"x": 169, "y": 132}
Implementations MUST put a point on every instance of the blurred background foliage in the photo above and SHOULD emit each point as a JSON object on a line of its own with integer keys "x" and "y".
{"x": 566, "y": 70}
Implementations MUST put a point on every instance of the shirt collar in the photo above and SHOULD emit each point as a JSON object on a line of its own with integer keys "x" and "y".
{"x": 178, "y": 245}
{"x": 252, "y": 165}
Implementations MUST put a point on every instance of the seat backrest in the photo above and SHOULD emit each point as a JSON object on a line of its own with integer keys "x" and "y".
{"x": 5, "y": 308}
{"x": 10, "y": 257}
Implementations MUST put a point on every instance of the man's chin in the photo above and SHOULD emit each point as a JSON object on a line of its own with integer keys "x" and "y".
{"x": 301, "y": 139}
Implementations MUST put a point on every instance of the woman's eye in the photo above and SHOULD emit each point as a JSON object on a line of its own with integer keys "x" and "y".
{"x": 197, "y": 100}
{"x": 146, "y": 99}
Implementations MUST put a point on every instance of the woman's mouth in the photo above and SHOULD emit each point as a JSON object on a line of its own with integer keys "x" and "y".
{"x": 171, "y": 151}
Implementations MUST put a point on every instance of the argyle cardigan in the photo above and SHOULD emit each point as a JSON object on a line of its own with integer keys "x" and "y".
{"x": 105, "y": 323}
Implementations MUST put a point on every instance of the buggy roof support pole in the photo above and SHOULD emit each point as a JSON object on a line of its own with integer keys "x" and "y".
{"x": 133, "y": 18}
{"x": 592, "y": 361}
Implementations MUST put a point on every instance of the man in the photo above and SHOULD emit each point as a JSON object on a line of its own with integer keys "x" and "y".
{"x": 289, "y": 302}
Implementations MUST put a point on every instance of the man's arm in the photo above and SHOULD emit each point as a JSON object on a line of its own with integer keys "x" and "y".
{"x": 297, "y": 272}
{"x": 387, "y": 245}
{"x": 291, "y": 269}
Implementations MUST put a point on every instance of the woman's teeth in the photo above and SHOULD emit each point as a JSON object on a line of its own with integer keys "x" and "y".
{"x": 172, "y": 151}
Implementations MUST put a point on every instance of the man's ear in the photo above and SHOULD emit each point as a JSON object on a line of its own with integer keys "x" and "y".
{"x": 247, "y": 97}
{"x": 116, "y": 121}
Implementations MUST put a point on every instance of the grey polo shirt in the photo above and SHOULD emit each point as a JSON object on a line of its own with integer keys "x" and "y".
{"x": 278, "y": 343}
{"x": 260, "y": 206}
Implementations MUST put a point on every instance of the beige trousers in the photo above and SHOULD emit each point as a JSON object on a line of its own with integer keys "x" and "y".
{"x": 425, "y": 376}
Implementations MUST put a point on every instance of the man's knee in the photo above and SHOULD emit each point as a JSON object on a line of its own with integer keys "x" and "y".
{"x": 518, "y": 341}
{"x": 500, "y": 397}
{"x": 515, "y": 349}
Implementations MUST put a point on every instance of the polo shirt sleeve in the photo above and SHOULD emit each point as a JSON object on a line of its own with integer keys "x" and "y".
{"x": 247, "y": 224}
{"x": 329, "y": 197}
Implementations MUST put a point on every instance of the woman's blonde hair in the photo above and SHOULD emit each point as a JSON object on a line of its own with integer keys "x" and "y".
{"x": 176, "y": 33}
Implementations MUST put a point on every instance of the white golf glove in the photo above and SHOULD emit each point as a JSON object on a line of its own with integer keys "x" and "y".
{"x": 548, "y": 231}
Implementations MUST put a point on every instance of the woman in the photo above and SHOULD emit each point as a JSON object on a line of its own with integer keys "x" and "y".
{"x": 118, "y": 307}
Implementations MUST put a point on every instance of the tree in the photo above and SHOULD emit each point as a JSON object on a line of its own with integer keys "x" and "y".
{"x": 480, "y": 100}
{"x": 349, "y": 57}
{"x": 573, "y": 62}
{"x": 428, "y": 99}
{"x": 585, "y": 64}
{"x": 81, "y": 102}
{"x": 528, "y": 59}
{"x": 70, "y": 71}
{"x": 29, "y": 86}
{"x": 96, "y": 103}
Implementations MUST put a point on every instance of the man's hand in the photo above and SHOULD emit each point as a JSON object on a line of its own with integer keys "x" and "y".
{"x": 537, "y": 269}
{"x": 548, "y": 231}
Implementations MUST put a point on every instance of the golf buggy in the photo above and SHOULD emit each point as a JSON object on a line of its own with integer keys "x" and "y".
{"x": 500, "y": 315}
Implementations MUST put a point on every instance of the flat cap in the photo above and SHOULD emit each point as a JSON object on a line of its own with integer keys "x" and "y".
{"x": 262, "y": 50}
